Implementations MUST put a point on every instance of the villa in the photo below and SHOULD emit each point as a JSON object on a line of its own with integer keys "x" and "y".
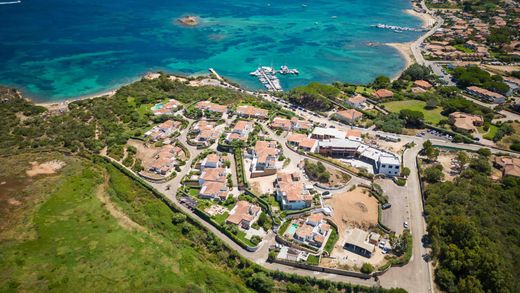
{"x": 214, "y": 190}
{"x": 251, "y": 112}
{"x": 240, "y": 131}
{"x": 509, "y": 166}
{"x": 265, "y": 155}
{"x": 464, "y": 122}
{"x": 162, "y": 130}
{"x": 166, "y": 109}
{"x": 211, "y": 161}
{"x": 357, "y": 101}
{"x": 206, "y": 133}
{"x": 213, "y": 174}
{"x": 164, "y": 160}
{"x": 314, "y": 231}
{"x": 211, "y": 107}
{"x": 423, "y": 84}
{"x": 349, "y": 115}
{"x": 302, "y": 142}
{"x": 244, "y": 214}
{"x": 291, "y": 193}
{"x": 383, "y": 94}
{"x": 294, "y": 124}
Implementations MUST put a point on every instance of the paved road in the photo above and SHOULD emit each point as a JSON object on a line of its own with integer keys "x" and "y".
{"x": 416, "y": 276}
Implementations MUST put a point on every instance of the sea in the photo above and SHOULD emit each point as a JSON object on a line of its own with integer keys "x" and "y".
{"x": 60, "y": 49}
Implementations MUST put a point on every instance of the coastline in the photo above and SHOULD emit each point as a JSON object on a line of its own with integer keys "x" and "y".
{"x": 427, "y": 19}
{"x": 405, "y": 50}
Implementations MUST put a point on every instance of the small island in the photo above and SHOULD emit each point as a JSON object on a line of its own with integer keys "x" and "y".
{"x": 189, "y": 20}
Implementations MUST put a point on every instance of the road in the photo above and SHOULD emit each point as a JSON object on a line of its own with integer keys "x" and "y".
{"x": 416, "y": 276}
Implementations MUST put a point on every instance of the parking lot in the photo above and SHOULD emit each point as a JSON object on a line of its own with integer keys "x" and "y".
{"x": 399, "y": 213}
{"x": 434, "y": 134}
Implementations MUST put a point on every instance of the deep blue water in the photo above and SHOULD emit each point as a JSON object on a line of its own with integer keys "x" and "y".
{"x": 57, "y": 49}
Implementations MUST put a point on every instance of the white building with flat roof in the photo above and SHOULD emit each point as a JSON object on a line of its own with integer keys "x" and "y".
{"x": 327, "y": 133}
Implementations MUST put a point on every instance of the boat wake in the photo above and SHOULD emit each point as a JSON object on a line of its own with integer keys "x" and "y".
{"x": 11, "y": 2}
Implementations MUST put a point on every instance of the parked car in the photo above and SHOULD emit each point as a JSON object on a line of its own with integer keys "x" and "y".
{"x": 386, "y": 206}
{"x": 405, "y": 225}
{"x": 325, "y": 193}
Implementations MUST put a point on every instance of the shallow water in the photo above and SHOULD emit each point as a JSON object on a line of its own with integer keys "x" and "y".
{"x": 58, "y": 49}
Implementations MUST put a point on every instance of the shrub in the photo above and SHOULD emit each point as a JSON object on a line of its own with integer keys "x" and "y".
{"x": 367, "y": 268}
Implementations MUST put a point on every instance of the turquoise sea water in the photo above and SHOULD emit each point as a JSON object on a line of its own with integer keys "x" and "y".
{"x": 57, "y": 49}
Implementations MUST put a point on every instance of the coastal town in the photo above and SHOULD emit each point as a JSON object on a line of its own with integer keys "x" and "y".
{"x": 365, "y": 184}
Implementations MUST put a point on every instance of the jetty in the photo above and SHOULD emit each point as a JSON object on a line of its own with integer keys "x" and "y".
{"x": 267, "y": 76}
{"x": 215, "y": 74}
{"x": 397, "y": 28}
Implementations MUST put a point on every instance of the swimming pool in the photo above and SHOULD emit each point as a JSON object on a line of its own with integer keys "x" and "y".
{"x": 292, "y": 229}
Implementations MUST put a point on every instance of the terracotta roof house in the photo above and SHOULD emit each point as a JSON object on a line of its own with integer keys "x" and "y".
{"x": 422, "y": 84}
{"x": 356, "y": 101}
{"x": 465, "y": 122}
{"x": 240, "y": 131}
{"x": 298, "y": 124}
{"x": 349, "y": 115}
{"x": 486, "y": 94}
{"x": 211, "y": 107}
{"x": 251, "y": 112}
{"x": 244, "y": 214}
{"x": 509, "y": 166}
{"x": 383, "y": 93}
{"x": 265, "y": 155}
{"x": 213, "y": 174}
{"x": 214, "y": 190}
{"x": 353, "y": 134}
{"x": 281, "y": 123}
{"x": 301, "y": 141}
{"x": 211, "y": 161}
{"x": 291, "y": 193}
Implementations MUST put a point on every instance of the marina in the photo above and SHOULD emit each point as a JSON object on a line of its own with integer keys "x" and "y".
{"x": 267, "y": 76}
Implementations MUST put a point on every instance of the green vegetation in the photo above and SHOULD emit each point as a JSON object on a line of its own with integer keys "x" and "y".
{"x": 77, "y": 244}
{"x": 317, "y": 171}
{"x": 367, "y": 268}
{"x": 463, "y": 48}
{"x": 390, "y": 123}
{"x": 474, "y": 75}
{"x": 417, "y": 72}
{"x": 314, "y": 96}
{"x": 492, "y": 131}
{"x": 473, "y": 225}
{"x": 432, "y": 116}
{"x": 333, "y": 238}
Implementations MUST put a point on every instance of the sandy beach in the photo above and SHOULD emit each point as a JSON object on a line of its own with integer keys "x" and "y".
{"x": 405, "y": 50}
{"x": 427, "y": 20}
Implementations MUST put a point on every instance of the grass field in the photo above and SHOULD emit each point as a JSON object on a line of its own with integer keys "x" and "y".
{"x": 491, "y": 132}
{"x": 76, "y": 244}
{"x": 430, "y": 116}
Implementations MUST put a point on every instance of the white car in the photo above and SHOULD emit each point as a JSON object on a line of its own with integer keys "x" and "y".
{"x": 405, "y": 225}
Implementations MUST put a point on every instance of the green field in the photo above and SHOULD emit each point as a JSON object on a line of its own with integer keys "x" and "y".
{"x": 491, "y": 132}
{"x": 75, "y": 244}
{"x": 430, "y": 116}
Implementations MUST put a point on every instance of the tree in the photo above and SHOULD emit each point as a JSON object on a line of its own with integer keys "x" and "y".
{"x": 484, "y": 152}
{"x": 481, "y": 165}
{"x": 412, "y": 118}
{"x": 390, "y": 123}
{"x": 462, "y": 159}
{"x": 367, "y": 268}
{"x": 433, "y": 174}
{"x": 381, "y": 82}
{"x": 416, "y": 72}
{"x": 262, "y": 219}
{"x": 405, "y": 172}
{"x": 260, "y": 282}
{"x": 432, "y": 103}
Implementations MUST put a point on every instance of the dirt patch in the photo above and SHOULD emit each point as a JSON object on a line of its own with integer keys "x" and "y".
{"x": 123, "y": 220}
{"x": 354, "y": 208}
{"x": 47, "y": 168}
